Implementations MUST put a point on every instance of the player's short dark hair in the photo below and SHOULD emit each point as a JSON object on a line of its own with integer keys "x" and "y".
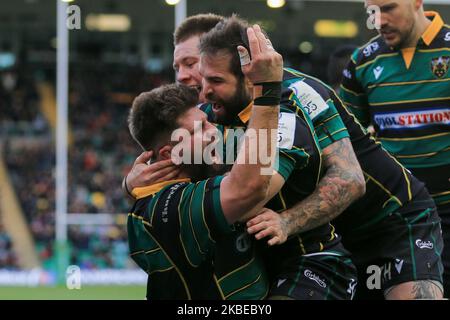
{"x": 195, "y": 26}
{"x": 225, "y": 37}
{"x": 338, "y": 61}
{"x": 154, "y": 114}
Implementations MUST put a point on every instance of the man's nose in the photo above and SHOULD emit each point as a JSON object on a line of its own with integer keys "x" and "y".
{"x": 206, "y": 90}
{"x": 384, "y": 21}
{"x": 183, "y": 75}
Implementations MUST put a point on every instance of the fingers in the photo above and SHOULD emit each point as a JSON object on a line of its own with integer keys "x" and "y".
{"x": 275, "y": 240}
{"x": 275, "y": 234}
{"x": 262, "y": 215}
{"x": 244, "y": 56}
{"x": 267, "y": 224}
{"x": 257, "y": 227}
{"x": 144, "y": 157}
{"x": 160, "y": 171}
{"x": 264, "y": 220}
{"x": 270, "y": 231}
{"x": 262, "y": 40}
{"x": 170, "y": 176}
{"x": 253, "y": 42}
{"x": 165, "y": 174}
{"x": 159, "y": 165}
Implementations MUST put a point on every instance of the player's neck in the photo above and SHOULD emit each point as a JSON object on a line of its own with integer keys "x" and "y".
{"x": 422, "y": 23}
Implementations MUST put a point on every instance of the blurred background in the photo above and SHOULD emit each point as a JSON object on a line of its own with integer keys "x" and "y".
{"x": 121, "y": 49}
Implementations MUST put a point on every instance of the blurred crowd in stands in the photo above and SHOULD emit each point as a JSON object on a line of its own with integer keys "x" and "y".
{"x": 8, "y": 258}
{"x": 19, "y": 110}
{"x": 101, "y": 151}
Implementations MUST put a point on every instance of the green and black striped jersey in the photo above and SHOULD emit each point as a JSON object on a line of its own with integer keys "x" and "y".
{"x": 299, "y": 163}
{"x": 178, "y": 235}
{"x": 389, "y": 185}
{"x": 405, "y": 95}
{"x": 316, "y": 100}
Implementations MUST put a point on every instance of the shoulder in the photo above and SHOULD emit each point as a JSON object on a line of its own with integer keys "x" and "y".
{"x": 370, "y": 50}
{"x": 171, "y": 192}
{"x": 312, "y": 94}
{"x": 300, "y": 82}
{"x": 442, "y": 40}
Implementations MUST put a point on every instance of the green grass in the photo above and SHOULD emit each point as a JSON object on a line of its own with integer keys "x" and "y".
{"x": 85, "y": 293}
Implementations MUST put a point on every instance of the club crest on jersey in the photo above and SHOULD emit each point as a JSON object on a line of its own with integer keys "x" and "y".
{"x": 440, "y": 65}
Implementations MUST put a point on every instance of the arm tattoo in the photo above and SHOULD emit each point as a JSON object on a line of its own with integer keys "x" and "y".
{"x": 342, "y": 184}
{"x": 424, "y": 289}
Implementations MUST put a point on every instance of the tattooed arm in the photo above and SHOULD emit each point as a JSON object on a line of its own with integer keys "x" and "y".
{"x": 342, "y": 184}
{"x": 415, "y": 290}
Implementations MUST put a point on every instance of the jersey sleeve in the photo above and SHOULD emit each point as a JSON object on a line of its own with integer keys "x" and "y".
{"x": 316, "y": 100}
{"x": 190, "y": 216}
{"x": 353, "y": 94}
{"x": 296, "y": 144}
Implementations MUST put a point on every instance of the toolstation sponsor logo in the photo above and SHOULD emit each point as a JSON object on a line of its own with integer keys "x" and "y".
{"x": 412, "y": 119}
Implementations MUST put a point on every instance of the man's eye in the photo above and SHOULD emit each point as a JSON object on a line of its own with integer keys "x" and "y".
{"x": 387, "y": 9}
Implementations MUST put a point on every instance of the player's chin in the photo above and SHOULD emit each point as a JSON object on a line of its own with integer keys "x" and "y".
{"x": 391, "y": 39}
{"x": 393, "y": 43}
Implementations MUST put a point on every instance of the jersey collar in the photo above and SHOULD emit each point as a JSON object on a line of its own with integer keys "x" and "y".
{"x": 427, "y": 37}
{"x": 245, "y": 114}
{"x": 433, "y": 29}
{"x": 146, "y": 191}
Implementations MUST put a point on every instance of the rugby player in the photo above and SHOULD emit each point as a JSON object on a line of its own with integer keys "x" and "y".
{"x": 309, "y": 282}
{"x": 399, "y": 82}
{"x": 413, "y": 218}
{"x": 182, "y": 231}
{"x": 185, "y": 63}
{"x": 313, "y": 264}
{"x": 316, "y": 208}
{"x": 341, "y": 169}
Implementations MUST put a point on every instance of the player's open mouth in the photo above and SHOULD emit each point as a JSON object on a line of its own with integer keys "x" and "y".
{"x": 216, "y": 107}
{"x": 198, "y": 88}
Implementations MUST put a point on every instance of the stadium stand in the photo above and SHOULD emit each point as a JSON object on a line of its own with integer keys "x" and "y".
{"x": 100, "y": 153}
{"x": 8, "y": 258}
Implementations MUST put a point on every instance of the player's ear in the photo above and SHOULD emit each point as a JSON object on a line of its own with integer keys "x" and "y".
{"x": 165, "y": 152}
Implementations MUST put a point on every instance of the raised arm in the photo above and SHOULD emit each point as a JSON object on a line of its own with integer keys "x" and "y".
{"x": 342, "y": 184}
{"x": 247, "y": 184}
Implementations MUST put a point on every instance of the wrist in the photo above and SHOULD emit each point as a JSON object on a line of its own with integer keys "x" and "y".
{"x": 125, "y": 186}
{"x": 285, "y": 220}
{"x": 267, "y": 93}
